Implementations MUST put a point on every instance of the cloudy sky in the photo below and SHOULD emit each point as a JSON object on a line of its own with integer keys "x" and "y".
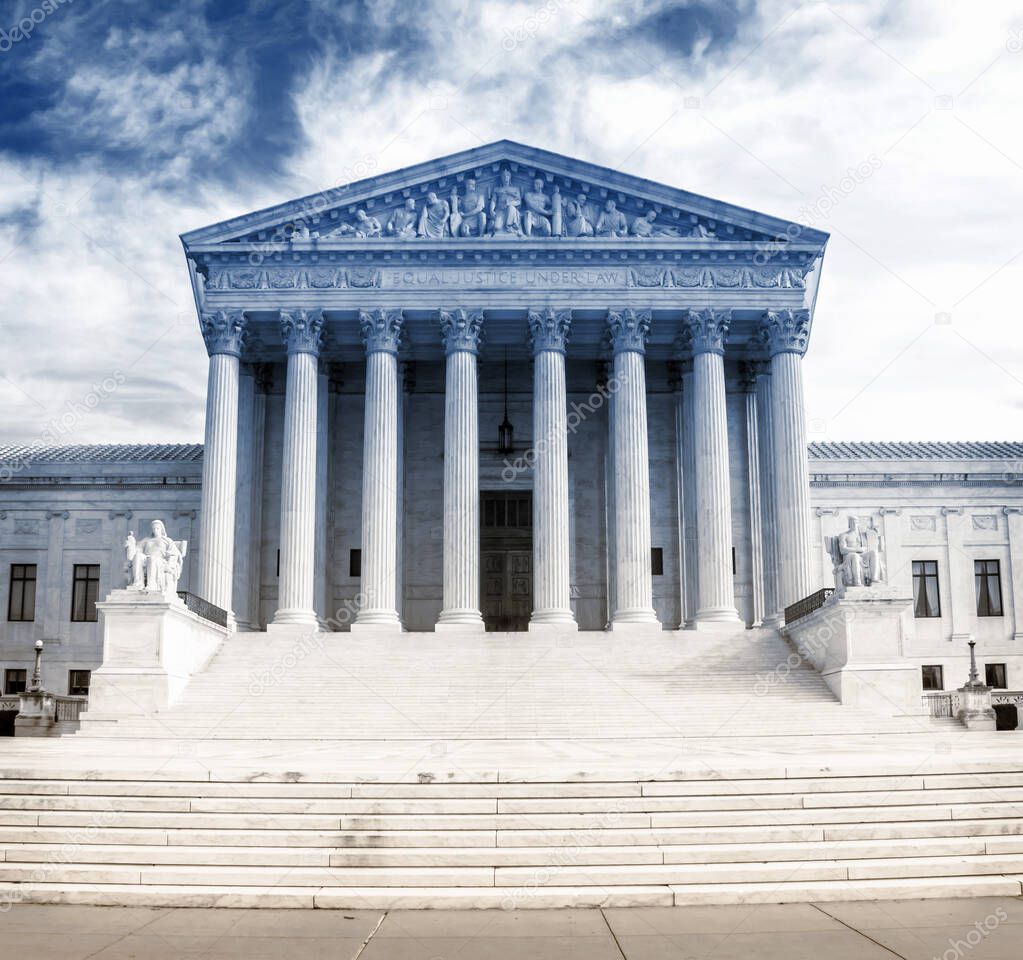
{"x": 125, "y": 124}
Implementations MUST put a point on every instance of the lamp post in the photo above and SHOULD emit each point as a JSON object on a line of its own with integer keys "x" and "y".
{"x": 37, "y": 673}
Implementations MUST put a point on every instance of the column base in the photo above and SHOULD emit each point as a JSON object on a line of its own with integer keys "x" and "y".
{"x": 718, "y": 616}
{"x": 294, "y": 621}
{"x": 377, "y": 621}
{"x": 643, "y": 620}
{"x": 552, "y": 621}
{"x": 460, "y": 621}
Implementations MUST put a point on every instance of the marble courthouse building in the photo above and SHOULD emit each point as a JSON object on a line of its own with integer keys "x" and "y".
{"x": 511, "y": 390}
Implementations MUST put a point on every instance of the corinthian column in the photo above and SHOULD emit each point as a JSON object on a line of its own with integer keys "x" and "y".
{"x": 705, "y": 332}
{"x": 301, "y": 331}
{"x": 785, "y": 334}
{"x": 224, "y": 333}
{"x": 381, "y": 332}
{"x": 461, "y": 330}
{"x": 548, "y": 332}
{"x": 750, "y": 370}
{"x": 633, "y": 587}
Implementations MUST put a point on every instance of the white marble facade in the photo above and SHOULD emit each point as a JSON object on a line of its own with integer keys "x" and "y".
{"x": 652, "y": 343}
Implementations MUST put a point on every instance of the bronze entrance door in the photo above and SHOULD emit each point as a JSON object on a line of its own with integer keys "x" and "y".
{"x": 506, "y": 549}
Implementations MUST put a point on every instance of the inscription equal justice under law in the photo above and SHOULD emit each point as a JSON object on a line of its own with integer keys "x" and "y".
{"x": 506, "y": 277}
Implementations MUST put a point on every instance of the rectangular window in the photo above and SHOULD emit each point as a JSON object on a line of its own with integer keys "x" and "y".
{"x": 988, "y": 581}
{"x": 926, "y": 602}
{"x": 85, "y": 592}
{"x": 15, "y": 681}
{"x": 355, "y": 563}
{"x": 78, "y": 683}
{"x": 933, "y": 677}
{"x": 657, "y": 561}
{"x": 21, "y": 601}
{"x": 994, "y": 675}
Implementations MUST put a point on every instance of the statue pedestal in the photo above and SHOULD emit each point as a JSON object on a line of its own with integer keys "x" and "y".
{"x": 856, "y": 642}
{"x": 37, "y": 715}
{"x": 975, "y": 710}
{"x": 152, "y": 645}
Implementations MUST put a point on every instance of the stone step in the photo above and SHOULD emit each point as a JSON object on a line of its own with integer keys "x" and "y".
{"x": 512, "y": 856}
{"x": 378, "y": 898}
{"x": 510, "y": 876}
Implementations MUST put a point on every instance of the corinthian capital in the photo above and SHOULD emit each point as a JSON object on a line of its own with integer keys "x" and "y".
{"x": 461, "y": 330}
{"x": 785, "y": 331}
{"x": 704, "y": 331}
{"x": 224, "y": 332}
{"x": 302, "y": 330}
{"x": 628, "y": 330}
{"x": 548, "y": 329}
{"x": 381, "y": 330}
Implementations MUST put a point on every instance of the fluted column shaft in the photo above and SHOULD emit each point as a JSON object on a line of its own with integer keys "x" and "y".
{"x": 633, "y": 586}
{"x": 461, "y": 333}
{"x": 753, "y": 480}
{"x": 551, "y": 575}
{"x": 690, "y": 573}
{"x": 706, "y": 330}
{"x": 768, "y": 528}
{"x": 301, "y": 331}
{"x": 224, "y": 334}
{"x": 785, "y": 333}
{"x": 381, "y": 333}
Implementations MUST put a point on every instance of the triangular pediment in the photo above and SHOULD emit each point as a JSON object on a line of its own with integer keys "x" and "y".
{"x": 502, "y": 191}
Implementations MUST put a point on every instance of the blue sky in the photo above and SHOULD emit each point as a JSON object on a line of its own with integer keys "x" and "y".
{"x": 125, "y": 124}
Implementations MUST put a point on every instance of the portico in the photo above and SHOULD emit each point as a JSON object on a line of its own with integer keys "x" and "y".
{"x": 634, "y": 410}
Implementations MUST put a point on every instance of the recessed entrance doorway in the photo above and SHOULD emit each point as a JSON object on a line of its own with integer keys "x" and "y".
{"x": 506, "y": 552}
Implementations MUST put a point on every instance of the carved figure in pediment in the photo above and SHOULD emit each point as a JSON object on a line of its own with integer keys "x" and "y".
{"x": 536, "y": 221}
{"x": 577, "y": 220}
{"x": 505, "y": 202}
{"x": 365, "y": 225}
{"x": 299, "y": 230}
{"x": 701, "y": 232}
{"x": 644, "y": 227}
{"x": 433, "y": 218}
{"x": 472, "y": 218}
{"x": 403, "y": 221}
{"x": 612, "y": 222}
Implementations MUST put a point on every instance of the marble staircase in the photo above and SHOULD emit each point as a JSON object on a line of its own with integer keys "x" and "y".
{"x": 273, "y": 841}
{"x": 507, "y": 686}
{"x": 515, "y": 770}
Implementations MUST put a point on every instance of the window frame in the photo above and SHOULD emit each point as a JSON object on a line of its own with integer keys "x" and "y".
{"x": 7, "y": 681}
{"x": 1005, "y": 676}
{"x": 921, "y": 579}
{"x": 71, "y": 685}
{"x": 83, "y": 581}
{"x": 22, "y": 582}
{"x": 984, "y": 577}
{"x": 924, "y": 667}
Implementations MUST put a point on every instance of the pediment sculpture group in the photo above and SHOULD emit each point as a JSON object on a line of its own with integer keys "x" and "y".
{"x": 508, "y": 211}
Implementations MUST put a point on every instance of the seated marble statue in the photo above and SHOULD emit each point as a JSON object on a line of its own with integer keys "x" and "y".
{"x": 504, "y": 206}
{"x": 403, "y": 221}
{"x": 861, "y": 555}
{"x": 155, "y": 561}
{"x": 433, "y": 218}
{"x": 577, "y": 224}
{"x": 612, "y": 222}
{"x": 644, "y": 226}
{"x": 536, "y": 220}
{"x": 472, "y": 217}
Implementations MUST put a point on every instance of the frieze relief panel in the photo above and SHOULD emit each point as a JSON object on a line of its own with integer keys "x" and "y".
{"x": 223, "y": 278}
{"x": 501, "y": 201}
{"x": 985, "y": 521}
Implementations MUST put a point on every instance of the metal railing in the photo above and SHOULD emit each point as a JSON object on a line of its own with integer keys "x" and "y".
{"x": 940, "y": 703}
{"x": 69, "y": 709}
{"x": 807, "y": 605}
{"x": 203, "y": 608}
